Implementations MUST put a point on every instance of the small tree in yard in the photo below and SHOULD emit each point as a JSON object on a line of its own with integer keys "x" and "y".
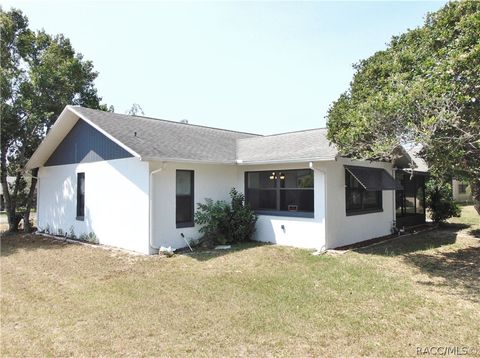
{"x": 226, "y": 223}
{"x": 439, "y": 200}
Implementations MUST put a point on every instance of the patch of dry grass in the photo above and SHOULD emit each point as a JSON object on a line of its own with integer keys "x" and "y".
{"x": 3, "y": 222}
{"x": 64, "y": 299}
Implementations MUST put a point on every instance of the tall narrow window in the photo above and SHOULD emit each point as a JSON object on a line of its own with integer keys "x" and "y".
{"x": 184, "y": 198}
{"x": 80, "y": 196}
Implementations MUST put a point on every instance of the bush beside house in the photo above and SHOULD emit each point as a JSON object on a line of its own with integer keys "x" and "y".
{"x": 224, "y": 223}
{"x": 440, "y": 201}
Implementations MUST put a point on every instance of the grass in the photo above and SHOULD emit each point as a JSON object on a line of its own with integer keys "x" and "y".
{"x": 62, "y": 299}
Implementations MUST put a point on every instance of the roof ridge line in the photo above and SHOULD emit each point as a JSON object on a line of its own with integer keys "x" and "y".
{"x": 297, "y": 131}
{"x": 279, "y": 134}
{"x": 171, "y": 121}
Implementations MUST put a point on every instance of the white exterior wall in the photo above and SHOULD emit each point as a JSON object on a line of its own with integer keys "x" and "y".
{"x": 330, "y": 227}
{"x": 210, "y": 181}
{"x": 116, "y": 201}
{"x": 117, "y": 204}
{"x": 342, "y": 229}
{"x": 287, "y": 230}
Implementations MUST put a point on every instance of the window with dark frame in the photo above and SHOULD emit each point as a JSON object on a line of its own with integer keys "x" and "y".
{"x": 462, "y": 188}
{"x": 80, "y": 196}
{"x": 281, "y": 192}
{"x": 358, "y": 199}
{"x": 184, "y": 198}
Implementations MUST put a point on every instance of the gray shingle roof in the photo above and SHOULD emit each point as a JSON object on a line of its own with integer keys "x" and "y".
{"x": 167, "y": 140}
{"x": 294, "y": 146}
{"x": 162, "y": 140}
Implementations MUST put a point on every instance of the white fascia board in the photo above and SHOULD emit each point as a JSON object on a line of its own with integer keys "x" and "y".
{"x": 106, "y": 134}
{"x": 299, "y": 160}
{"x": 188, "y": 161}
{"x": 237, "y": 162}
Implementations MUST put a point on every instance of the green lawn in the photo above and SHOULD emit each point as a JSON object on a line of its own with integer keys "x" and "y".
{"x": 258, "y": 300}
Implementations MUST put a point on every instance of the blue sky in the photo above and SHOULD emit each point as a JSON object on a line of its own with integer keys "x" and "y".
{"x": 263, "y": 67}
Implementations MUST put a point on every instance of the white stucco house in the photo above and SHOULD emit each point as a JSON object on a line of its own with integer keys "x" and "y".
{"x": 135, "y": 182}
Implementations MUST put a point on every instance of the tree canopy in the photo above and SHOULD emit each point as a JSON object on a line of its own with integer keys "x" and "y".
{"x": 39, "y": 75}
{"x": 424, "y": 91}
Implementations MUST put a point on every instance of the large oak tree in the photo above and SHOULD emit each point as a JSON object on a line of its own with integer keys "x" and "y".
{"x": 39, "y": 75}
{"x": 423, "y": 90}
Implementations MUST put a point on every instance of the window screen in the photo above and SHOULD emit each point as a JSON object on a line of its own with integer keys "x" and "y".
{"x": 280, "y": 191}
{"x": 358, "y": 199}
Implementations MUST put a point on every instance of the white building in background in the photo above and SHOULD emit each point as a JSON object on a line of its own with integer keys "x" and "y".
{"x": 462, "y": 192}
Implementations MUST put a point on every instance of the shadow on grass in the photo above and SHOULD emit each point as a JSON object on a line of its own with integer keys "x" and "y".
{"x": 12, "y": 243}
{"x": 475, "y": 233}
{"x": 411, "y": 243}
{"x": 458, "y": 269}
{"x": 201, "y": 254}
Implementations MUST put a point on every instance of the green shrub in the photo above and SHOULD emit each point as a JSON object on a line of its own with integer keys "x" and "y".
{"x": 223, "y": 223}
{"x": 90, "y": 237}
{"x": 213, "y": 217}
{"x": 71, "y": 234}
{"x": 439, "y": 198}
{"x": 242, "y": 219}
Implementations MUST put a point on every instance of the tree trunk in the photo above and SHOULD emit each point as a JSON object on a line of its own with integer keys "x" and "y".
{"x": 3, "y": 178}
{"x": 475, "y": 185}
{"x": 14, "y": 218}
{"x": 10, "y": 200}
{"x": 26, "y": 216}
